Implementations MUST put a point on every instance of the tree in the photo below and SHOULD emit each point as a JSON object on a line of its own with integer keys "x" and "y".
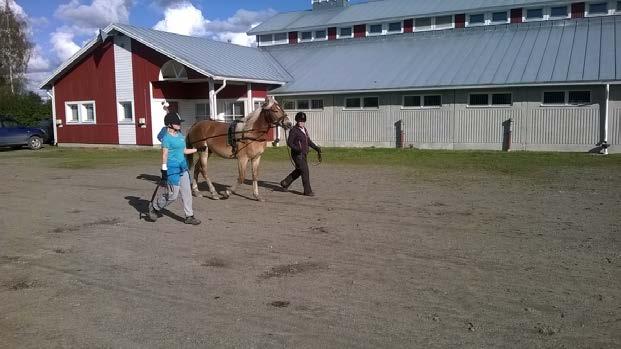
{"x": 15, "y": 49}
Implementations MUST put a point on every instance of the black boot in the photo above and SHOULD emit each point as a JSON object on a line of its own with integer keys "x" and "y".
{"x": 285, "y": 183}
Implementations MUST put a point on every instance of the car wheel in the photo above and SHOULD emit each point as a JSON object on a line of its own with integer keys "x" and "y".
{"x": 35, "y": 143}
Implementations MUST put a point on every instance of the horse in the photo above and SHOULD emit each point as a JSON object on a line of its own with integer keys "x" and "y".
{"x": 249, "y": 143}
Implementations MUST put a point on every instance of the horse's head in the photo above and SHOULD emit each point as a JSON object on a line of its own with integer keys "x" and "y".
{"x": 274, "y": 114}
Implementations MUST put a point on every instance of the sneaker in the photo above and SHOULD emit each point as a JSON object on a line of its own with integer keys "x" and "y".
{"x": 152, "y": 214}
{"x": 191, "y": 220}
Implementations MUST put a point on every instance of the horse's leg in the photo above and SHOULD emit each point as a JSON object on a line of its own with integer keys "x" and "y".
{"x": 255, "y": 178}
{"x": 242, "y": 162}
{"x": 203, "y": 158}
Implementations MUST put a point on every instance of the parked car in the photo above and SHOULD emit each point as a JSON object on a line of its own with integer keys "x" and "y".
{"x": 15, "y": 135}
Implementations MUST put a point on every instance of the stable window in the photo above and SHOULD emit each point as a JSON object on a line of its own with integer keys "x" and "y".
{"x": 73, "y": 114}
{"x": 352, "y": 103}
{"x": 558, "y": 12}
{"x": 478, "y": 99}
{"x": 599, "y": 8}
{"x": 266, "y": 39}
{"x": 370, "y": 102}
{"x": 444, "y": 22}
{"x": 320, "y": 34}
{"x": 477, "y": 19}
{"x": 432, "y": 101}
{"x": 501, "y": 99}
{"x": 202, "y": 110}
{"x": 422, "y": 23}
{"x": 394, "y": 27}
{"x": 375, "y": 29}
{"x": 317, "y": 104}
{"x": 302, "y": 104}
{"x": 618, "y": 6}
{"x": 288, "y": 104}
{"x": 411, "y": 101}
{"x": 234, "y": 110}
{"x": 534, "y": 14}
{"x": 281, "y": 38}
{"x": 127, "y": 111}
{"x": 80, "y": 112}
{"x": 306, "y": 36}
{"x": 554, "y": 97}
{"x": 345, "y": 32}
{"x": 499, "y": 17}
{"x": 579, "y": 97}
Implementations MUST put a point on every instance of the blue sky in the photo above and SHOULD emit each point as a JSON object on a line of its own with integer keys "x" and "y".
{"x": 58, "y": 28}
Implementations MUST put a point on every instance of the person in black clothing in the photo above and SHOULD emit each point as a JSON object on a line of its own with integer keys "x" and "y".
{"x": 299, "y": 141}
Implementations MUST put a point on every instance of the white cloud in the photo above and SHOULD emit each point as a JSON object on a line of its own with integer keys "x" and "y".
{"x": 98, "y": 14}
{"x": 63, "y": 44}
{"x": 18, "y": 10}
{"x": 37, "y": 62}
{"x": 184, "y": 19}
{"x": 236, "y": 38}
{"x": 240, "y": 22}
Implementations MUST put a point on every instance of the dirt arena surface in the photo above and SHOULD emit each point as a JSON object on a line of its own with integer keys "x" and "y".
{"x": 380, "y": 258}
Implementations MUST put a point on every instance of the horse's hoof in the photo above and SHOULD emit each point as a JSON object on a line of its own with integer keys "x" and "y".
{"x": 197, "y": 194}
{"x": 227, "y": 194}
{"x": 215, "y": 196}
{"x": 260, "y": 199}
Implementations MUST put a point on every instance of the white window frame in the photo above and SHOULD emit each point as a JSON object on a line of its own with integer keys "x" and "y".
{"x": 361, "y": 98}
{"x": 208, "y": 110}
{"x": 81, "y": 112}
{"x": 587, "y": 10}
{"x": 433, "y": 20}
{"x": 383, "y": 32}
{"x": 280, "y": 42}
{"x": 468, "y": 24}
{"x": 544, "y": 15}
{"x": 266, "y": 43}
{"x": 388, "y": 31}
{"x": 121, "y": 113}
{"x": 422, "y": 101}
{"x": 489, "y": 99}
{"x": 307, "y": 100}
{"x": 338, "y": 33}
{"x": 548, "y": 14}
{"x": 435, "y": 26}
{"x": 285, "y": 101}
{"x": 312, "y": 32}
{"x": 566, "y": 98}
{"x": 320, "y": 39}
{"x": 491, "y": 21}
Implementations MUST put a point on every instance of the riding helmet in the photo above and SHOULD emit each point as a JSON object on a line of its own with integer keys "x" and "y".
{"x": 300, "y": 117}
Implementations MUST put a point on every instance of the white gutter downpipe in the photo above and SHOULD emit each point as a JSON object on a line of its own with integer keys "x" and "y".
{"x": 607, "y": 110}
{"x": 213, "y": 107}
{"x": 54, "y": 131}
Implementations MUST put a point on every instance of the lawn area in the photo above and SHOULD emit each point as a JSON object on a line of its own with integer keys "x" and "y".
{"x": 510, "y": 163}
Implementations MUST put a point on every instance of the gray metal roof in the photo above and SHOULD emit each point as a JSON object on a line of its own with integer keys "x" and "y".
{"x": 212, "y": 58}
{"x": 566, "y": 51}
{"x": 383, "y": 10}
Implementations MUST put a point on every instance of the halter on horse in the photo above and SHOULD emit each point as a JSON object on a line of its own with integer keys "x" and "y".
{"x": 248, "y": 143}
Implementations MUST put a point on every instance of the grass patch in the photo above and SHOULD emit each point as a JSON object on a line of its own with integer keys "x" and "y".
{"x": 510, "y": 163}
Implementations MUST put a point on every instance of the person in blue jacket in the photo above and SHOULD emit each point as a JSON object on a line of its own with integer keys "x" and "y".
{"x": 175, "y": 171}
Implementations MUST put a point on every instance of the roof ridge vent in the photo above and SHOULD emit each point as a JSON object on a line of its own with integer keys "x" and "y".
{"x": 325, "y": 4}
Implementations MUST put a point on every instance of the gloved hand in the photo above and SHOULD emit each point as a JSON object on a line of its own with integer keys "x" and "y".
{"x": 318, "y": 150}
{"x": 164, "y": 175}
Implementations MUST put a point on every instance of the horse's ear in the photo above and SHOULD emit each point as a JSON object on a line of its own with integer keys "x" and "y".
{"x": 269, "y": 103}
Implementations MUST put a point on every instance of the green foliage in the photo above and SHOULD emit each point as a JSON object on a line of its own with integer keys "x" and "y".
{"x": 26, "y": 108}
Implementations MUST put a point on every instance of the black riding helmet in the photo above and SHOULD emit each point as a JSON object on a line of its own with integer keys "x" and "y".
{"x": 300, "y": 117}
{"x": 172, "y": 118}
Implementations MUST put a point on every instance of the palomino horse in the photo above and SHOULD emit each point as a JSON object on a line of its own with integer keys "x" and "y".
{"x": 250, "y": 138}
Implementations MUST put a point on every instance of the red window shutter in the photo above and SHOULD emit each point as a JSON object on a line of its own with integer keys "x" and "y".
{"x": 408, "y": 26}
{"x": 577, "y": 10}
{"x": 460, "y": 21}
{"x": 293, "y": 38}
{"x": 516, "y": 15}
{"x": 360, "y": 31}
{"x": 332, "y": 33}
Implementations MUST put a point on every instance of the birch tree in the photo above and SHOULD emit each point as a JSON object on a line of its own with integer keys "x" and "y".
{"x": 15, "y": 49}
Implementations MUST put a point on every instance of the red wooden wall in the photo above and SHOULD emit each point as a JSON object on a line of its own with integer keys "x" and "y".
{"x": 91, "y": 79}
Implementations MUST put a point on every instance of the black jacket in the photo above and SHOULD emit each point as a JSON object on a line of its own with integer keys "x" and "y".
{"x": 300, "y": 142}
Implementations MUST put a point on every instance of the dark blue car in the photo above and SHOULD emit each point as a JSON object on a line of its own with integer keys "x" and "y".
{"x": 15, "y": 135}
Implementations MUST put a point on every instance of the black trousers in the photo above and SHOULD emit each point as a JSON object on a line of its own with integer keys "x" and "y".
{"x": 301, "y": 169}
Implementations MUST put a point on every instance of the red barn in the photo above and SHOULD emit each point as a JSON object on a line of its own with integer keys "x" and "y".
{"x": 112, "y": 90}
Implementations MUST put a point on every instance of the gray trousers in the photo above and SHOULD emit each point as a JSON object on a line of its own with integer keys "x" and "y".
{"x": 173, "y": 193}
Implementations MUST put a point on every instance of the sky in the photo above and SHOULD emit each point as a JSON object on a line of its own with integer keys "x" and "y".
{"x": 59, "y": 28}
